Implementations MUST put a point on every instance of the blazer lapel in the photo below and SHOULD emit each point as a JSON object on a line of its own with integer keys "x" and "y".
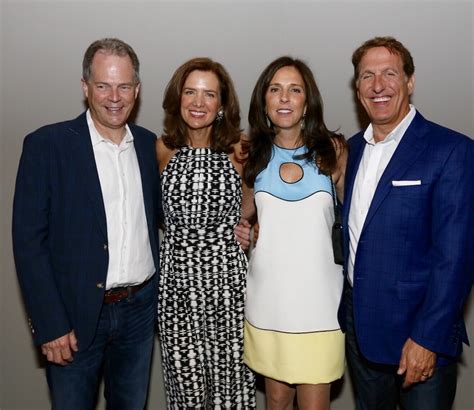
{"x": 91, "y": 176}
{"x": 140, "y": 149}
{"x": 408, "y": 151}
{"x": 356, "y": 149}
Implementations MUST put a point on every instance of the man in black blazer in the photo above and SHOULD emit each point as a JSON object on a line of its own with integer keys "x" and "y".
{"x": 85, "y": 239}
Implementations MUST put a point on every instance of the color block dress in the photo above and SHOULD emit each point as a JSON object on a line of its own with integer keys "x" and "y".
{"x": 293, "y": 285}
{"x": 202, "y": 285}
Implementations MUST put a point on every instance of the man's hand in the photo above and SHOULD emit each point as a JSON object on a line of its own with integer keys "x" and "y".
{"x": 242, "y": 234}
{"x": 60, "y": 351}
{"x": 416, "y": 362}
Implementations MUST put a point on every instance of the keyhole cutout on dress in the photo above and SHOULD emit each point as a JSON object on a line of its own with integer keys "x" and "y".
{"x": 291, "y": 172}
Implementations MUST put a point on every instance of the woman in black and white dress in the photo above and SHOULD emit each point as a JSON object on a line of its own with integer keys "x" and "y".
{"x": 203, "y": 269}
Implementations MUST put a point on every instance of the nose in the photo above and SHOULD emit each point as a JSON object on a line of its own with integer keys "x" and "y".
{"x": 378, "y": 84}
{"x": 114, "y": 94}
{"x": 197, "y": 102}
{"x": 284, "y": 96}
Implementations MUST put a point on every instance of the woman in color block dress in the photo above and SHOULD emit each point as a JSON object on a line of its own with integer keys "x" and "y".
{"x": 292, "y": 336}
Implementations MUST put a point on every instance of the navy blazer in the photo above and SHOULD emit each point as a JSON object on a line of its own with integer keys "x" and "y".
{"x": 414, "y": 262}
{"x": 60, "y": 231}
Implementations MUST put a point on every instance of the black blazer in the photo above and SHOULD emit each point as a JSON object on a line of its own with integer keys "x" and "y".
{"x": 59, "y": 227}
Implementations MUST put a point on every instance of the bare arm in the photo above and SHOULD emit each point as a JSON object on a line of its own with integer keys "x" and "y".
{"x": 340, "y": 171}
{"x": 242, "y": 230}
{"x": 249, "y": 210}
{"x": 248, "y": 216}
{"x": 163, "y": 154}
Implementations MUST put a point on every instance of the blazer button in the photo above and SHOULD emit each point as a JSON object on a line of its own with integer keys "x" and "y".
{"x": 30, "y": 323}
{"x": 100, "y": 285}
{"x": 105, "y": 247}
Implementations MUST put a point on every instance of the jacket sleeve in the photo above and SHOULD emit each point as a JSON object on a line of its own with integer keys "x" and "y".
{"x": 439, "y": 324}
{"x": 30, "y": 228}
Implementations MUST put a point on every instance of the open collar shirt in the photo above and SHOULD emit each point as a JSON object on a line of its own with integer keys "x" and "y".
{"x": 130, "y": 257}
{"x": 375, "y": 159}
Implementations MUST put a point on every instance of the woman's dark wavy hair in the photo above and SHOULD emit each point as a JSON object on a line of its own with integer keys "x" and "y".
{"x": 315, "y": 136}
{"x": 224, "y": 133}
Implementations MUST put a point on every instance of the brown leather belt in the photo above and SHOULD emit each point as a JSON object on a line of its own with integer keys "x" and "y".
{"x": 117, "y": 294}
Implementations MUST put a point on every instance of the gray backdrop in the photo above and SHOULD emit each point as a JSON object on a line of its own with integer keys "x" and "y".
{"x": 42, "y": 43}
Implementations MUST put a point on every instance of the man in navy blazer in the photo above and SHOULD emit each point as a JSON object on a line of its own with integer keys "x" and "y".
{"x": 409, "y": 229}
{"x": 85, "y": 239}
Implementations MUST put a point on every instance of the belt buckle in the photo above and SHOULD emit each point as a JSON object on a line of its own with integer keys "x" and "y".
{"x": 116, "y": 295}
{"x": 125, "y": 292}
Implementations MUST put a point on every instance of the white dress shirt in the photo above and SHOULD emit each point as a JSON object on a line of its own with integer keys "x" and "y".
{"x": 375, "y": 159}
{"x": 130, "y": 257}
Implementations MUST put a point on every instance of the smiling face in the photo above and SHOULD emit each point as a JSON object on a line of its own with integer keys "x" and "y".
{"x": 200, "y": 100}
{"x": 384, "y": 89}
{"x": 111, "y": 92}
{"x": 285, "y": 99}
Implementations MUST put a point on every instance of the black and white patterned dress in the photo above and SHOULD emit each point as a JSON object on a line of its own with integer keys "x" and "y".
{"x": 202, "y": 285}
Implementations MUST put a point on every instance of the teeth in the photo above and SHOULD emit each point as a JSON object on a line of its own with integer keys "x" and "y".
{"x": 284, "y": 111}
{"x": 198, "y": 113}
{"x": 380, "y": 99}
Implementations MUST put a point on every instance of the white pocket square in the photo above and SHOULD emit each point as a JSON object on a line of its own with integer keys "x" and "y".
{"x": 406, "y": 183}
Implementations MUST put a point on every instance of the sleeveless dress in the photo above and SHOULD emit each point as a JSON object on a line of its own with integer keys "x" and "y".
{"x": 202, "y": 285}
{"x": 293, "y": 285}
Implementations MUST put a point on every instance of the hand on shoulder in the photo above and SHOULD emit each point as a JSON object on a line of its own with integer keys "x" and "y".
{"x": 241, "y": 149}
{"x": 240, "y": 153}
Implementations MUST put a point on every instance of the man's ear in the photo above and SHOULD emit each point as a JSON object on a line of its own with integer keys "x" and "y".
{"x": 85, "y": 88}
{"x": 137, "y": 89}
{"x": 356, "y": 86}
{"x": 411, "y": 84}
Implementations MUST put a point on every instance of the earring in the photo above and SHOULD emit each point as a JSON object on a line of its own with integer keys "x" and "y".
{"x": 302, "y": 123}
{"x": 220, "y": 115}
